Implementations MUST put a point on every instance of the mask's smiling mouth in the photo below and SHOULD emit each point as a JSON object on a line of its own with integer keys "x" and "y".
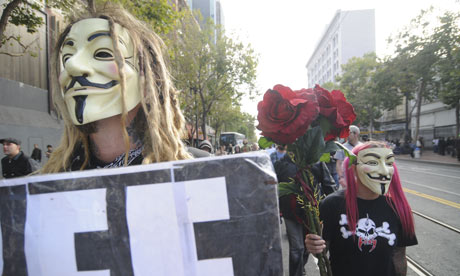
{"x": 379, "y": 177}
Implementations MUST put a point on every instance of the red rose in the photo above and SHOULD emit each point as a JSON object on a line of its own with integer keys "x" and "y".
{"x": 337, "y": 110}
{"x": 284, "y": 115}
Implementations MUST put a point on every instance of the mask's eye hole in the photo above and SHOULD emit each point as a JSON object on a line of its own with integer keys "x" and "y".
{"x": 390, "y": 164}
{"x": 65, "y": 58}
{"x": 372, "y": 163}
{"x": 103, "y": 54}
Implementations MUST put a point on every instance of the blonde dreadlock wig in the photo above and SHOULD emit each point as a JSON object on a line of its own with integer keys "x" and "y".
{"x": 161, "y": 120}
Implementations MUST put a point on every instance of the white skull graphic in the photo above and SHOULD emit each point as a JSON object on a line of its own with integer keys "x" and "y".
{"x": 365, "y": 229}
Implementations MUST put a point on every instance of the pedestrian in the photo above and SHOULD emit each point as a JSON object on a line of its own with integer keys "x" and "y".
{"x": 293, "y": 213}
{"x": 206, "y": 146}
{"x": 237, "y": 149}
{"x": 115, "y": 95}
{"x": 36, "y": 154}
{"x": 230, "y": 149}
{"x": 367, "y": 226}
{"x": 339, "y": 156}
{"x": 16, "y": 163}
{"x": 278, "y": 154}
{"x": 245, "y": 147}
{"x": 254, "y": 147}
{"x": 49, "y": 150}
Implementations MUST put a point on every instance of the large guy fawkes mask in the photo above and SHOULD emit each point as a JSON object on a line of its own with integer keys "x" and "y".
{"x": 375, "y": 169}
{"x": 89, "y": 79}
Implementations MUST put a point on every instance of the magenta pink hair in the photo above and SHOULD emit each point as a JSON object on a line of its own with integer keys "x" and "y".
{"x": 395, "y": 196}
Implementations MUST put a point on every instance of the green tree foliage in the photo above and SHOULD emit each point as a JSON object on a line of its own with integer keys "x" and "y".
{"x": 210, "y": 67}
{"x": 416, "y": 57}
{"x": 358, "y": 86}
{"x": 159, "y": 14}
{"x": 24, "y": 13}
{"x": 447, "y": 38}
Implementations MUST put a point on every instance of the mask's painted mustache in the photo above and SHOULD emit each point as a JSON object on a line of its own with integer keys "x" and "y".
{"x": 380, "y": 177}
{"x": 84, "y": 82}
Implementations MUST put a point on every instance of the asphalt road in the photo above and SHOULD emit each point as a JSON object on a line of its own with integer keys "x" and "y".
{"x": 434, "y": 191}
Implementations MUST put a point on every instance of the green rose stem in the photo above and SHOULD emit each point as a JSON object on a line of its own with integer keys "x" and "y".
{"x": 313, "y": 221}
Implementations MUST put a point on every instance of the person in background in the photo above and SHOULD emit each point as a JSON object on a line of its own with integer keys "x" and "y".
{"x": 278, "y": 154}
{"x": 36, "y": 154}
{"x": 245, "y": 147}
{"x": 353, "y": 141}
{"x": 367, "y": 226}
{"x": 237, "y": 149}
{"x": 48, "y": 151}
{"x": 294, "y": 214}
{"x": 230, "y": 149}
{"x": 254, "y": 147}
{"x": 206, "y": 146}
{"x": 15, "y": 163}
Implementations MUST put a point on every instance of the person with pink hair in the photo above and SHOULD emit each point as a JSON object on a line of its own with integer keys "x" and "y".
{"x": 367, "y": 226}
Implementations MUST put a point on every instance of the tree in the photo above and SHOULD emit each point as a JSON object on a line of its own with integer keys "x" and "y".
{"x": 23, "y": 13}
{"x": 415, "y": 47}
{"x": 358, "y": 86}
{"x": 208, "y": 66}
{"x": 447, "y": 37}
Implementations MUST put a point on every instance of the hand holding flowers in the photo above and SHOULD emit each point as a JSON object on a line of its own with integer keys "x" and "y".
{"x": 308, "y": 120}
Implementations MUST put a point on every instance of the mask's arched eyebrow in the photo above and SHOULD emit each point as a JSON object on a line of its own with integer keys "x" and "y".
{"x": 390, "y": 156}
{"x": 93, "y": 36}
{"x": 372, "y": 154}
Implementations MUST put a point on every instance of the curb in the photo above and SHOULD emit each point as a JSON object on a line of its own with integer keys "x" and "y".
{"x": 429, "y": 162}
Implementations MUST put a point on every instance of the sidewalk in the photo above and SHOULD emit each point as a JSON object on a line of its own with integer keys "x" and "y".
{"x": 428, "y": 156}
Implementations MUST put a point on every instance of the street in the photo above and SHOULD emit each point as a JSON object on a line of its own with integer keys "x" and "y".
{"x": 433, "y": 191}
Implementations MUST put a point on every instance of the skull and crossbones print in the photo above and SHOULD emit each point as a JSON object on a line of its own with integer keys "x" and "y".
{"x": 367, "y": 232}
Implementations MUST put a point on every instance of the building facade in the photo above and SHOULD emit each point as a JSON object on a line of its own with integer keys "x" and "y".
{"x": 26, "y": 112}
{"x": 209, "y": 9}
{"x": 349, "y": 34}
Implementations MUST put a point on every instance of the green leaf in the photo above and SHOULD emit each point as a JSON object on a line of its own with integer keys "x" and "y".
{"x": 331, "y": 147}
{"x": 326, "y": 157}
{"x": 311, "y": 146}
{"x": 287, "y": 188}
{"x": 265, "y": 143}
{"x": 352, "y": 157}
{"x": 324, "y": 124}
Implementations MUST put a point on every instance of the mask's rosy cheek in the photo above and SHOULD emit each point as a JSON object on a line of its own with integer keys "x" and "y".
{"x": 367, "y": 169}
{"x": 113, "y": 69}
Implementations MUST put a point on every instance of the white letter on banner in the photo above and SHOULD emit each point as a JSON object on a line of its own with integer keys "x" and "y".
{"x": 52, "y": 220}
{"x": 208, "y": 201}
{"x": 153, "y": 230}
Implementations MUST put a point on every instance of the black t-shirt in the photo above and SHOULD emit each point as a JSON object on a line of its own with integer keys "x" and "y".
{"x": 378, "y": 232}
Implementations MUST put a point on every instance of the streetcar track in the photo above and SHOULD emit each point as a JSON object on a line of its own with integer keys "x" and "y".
{"x": 417, "y": 268}
{"x": 437, "y": 222}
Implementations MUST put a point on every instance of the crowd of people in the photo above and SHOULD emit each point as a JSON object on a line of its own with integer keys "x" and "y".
{"x": 137, "y": 120}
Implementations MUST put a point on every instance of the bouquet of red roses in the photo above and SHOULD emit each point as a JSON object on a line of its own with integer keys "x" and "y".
{"x": 308, "y": 121}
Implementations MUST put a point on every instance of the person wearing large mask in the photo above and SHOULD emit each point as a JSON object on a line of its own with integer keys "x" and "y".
{"x": 115, "y": 95}
{"x": 367, "y": 226}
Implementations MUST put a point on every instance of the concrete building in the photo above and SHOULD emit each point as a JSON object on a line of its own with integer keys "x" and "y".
{"x": 26, "y": 112}
{"x": 209, "y": 9}
{"x": 436, "y": 120}
{"x": 350, "y": 34}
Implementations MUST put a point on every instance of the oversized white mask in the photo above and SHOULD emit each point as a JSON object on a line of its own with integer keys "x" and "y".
{"x": 375, "y": 169}
{"x": 90, "y": 82}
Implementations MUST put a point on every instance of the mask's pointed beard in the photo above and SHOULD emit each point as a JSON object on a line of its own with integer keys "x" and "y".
{"x": 80, "y": 102}
{"x": 382, "y": 187}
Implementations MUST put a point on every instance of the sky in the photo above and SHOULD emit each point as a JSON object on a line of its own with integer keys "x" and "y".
{"x": 284, "y": 33}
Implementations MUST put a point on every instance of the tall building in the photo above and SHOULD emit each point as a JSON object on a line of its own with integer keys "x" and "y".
{"x": 349, "y": 34}
{"x": 209, "y": 9}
